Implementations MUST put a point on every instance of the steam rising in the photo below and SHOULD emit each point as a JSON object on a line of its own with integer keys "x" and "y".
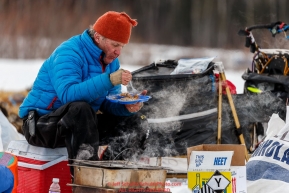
{"x": 172, "y": 98}
{"x": 85, "y": 152}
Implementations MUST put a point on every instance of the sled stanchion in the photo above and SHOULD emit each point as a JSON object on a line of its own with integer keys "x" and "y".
{"x": 236, "y": 119}
{"x": 219, "y": 112}
{"x": 222, "y": 78}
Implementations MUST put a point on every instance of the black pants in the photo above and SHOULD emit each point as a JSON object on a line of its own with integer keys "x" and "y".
{"x": 77, "y": 127}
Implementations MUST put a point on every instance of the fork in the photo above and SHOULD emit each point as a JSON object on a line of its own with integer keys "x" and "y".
{"x": 133, "y": 90}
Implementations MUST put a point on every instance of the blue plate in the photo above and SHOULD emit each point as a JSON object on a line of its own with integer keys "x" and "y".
{"x": 117, "y": 99}
{"x": 144, "y": 98}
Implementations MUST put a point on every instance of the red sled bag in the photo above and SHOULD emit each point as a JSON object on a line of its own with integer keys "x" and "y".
{"x": 228, "y": 83}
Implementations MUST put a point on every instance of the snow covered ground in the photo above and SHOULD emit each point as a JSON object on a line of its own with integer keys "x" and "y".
{"x": 18, "y": 75}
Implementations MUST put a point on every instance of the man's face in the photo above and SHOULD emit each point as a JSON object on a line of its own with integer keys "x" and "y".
{"x": 111, "y": 48}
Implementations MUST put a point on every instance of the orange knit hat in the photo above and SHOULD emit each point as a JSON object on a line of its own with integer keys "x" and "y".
{"x": 114, "y": 25}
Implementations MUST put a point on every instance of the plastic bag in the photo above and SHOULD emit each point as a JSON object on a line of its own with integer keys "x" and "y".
{"x": 268, "y": 167}
{"x": 8, "y": 132}
{"x": 192, "y": 66}
{"x": 275, "y": 125}
{"x": 231, "y": 86}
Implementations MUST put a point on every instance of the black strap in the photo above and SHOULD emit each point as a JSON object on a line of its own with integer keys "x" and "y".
{"x": 239, "y": 131}
{"x": 32, "y": 124}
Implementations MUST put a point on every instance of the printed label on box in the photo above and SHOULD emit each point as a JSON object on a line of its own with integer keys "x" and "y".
{"x": 239, "y": 183}
{"x": 209, "y": 182}
{"x": 206, "y": 160}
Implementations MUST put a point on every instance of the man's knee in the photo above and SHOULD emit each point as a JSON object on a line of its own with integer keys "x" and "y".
{"x": 81, "y": 105}
{"x": 80, "y": 117}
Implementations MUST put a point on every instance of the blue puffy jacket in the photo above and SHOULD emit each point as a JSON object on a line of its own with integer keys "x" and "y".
{"x": 74, "y": 72}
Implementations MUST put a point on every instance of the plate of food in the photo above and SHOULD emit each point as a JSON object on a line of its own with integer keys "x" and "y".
{"x": 127, "y": 98}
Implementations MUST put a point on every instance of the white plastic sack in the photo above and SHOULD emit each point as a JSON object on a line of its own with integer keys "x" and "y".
{"x": 285, "y": 128}
{"x": 268, "y": 167}
{"x": 8, "y": 132}
{"x": 275, "y": 124}
{"x": 192, "y": 66}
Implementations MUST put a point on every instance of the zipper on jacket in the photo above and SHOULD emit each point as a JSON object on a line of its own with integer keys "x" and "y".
{"x": 52, "y": 102}
{"x": 103, "y": 65}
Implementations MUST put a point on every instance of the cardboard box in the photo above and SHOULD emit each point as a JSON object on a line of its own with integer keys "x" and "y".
{"x": 219, "y": 175}
{"x": 119, "y": 178}
{"x": 37, "y": 166}
{"x": 239, "y": 179}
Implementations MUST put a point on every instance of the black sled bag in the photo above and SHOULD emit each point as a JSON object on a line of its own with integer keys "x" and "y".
{"x": 182, "y": 111}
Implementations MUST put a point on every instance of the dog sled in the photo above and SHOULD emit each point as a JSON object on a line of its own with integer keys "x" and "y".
{"x": 269, "y": 71}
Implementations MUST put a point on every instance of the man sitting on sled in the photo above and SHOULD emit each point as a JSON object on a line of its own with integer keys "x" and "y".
{"x": 72, "y": 85}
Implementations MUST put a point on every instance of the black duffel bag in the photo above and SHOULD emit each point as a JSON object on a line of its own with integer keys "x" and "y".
{"x": 182, "y": 111}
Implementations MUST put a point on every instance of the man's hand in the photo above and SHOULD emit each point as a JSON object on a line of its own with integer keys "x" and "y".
{"x": 144, "y": 92}
{"x": 116, "y": 77}
{"x": 120, "y": 77}
{"x": 134, "y": 107}
{"x": 126, "y": 77}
